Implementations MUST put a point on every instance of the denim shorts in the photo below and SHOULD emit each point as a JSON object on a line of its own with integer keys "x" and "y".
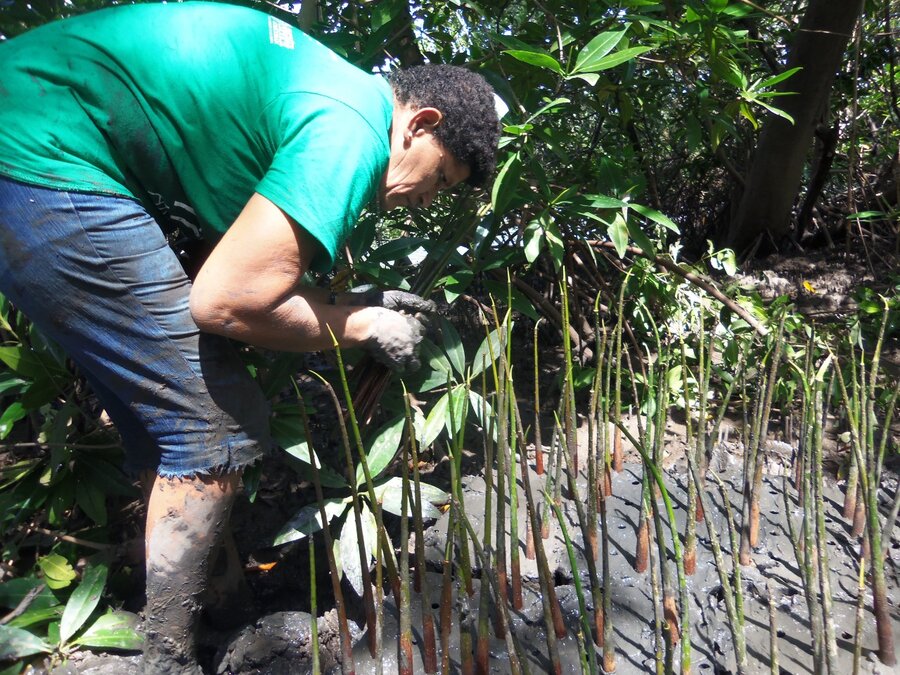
{"x": 95, "y": 274}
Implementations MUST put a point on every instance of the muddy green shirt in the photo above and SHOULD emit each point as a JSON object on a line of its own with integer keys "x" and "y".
{"x": 190, "y": 108}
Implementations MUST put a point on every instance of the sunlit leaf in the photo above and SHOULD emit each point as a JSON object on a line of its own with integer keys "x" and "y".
{"x": 390, "y": 495}
{"x": 538, "y": 59}
{"x": 350, "y": 559}
{"x": 383, "y": 449}
{"x": 116, "y": 630}
{"x": 618, "y": 233}
{"x": 58, "y": 572}
{"x": 596, "y": 49}
{"x": 83, "y": 601}
{"x": 309, "y": 520}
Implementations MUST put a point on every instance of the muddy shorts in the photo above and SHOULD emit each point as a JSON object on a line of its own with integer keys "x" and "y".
{"x": 96, "y": 275}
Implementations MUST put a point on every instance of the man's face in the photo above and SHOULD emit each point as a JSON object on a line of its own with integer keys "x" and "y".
{"x": 419, "y": 165}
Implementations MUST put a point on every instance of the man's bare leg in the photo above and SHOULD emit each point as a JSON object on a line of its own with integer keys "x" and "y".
{"x": 185, "y": 521}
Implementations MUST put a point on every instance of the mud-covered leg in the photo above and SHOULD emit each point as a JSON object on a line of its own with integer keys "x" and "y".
{"x": 185, "y": 521}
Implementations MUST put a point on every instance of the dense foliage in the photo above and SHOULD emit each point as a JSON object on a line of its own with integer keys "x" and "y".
{"x": 630, "y": 136}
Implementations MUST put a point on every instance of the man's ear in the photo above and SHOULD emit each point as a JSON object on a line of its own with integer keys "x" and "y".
{"x": 425, "y": 119}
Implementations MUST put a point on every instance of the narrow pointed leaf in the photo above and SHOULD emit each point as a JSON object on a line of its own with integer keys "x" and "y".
{"x": 83, "y": 601}
{"x": 116, "y": 630}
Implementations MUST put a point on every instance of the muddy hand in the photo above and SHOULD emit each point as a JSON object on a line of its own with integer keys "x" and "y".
{"x": 398, "y": 301}
{"x": 394, "y": 340}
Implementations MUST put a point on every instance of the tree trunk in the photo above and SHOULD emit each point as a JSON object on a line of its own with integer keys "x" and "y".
{"x": 775, "y": 175}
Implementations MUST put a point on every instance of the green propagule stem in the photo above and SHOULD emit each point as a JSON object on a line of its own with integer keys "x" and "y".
{"x": 753, "y": 458}
{"x": 676, "y": 545}
{"x": 587, "y": 522}
{"x": 457, "y": 504}
{"x": 862, "y": 435}
{"x": 405, "y": 642}
{"x": 368, "y": 598}
{"x": 347, "y": 667}
{"x": 482, "y": 649}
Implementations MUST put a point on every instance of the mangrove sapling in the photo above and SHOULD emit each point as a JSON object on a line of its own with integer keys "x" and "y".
{"x": 604, "y": 377}
{"x": 807, "y": 563}
{"x": 863, "y": 423}
{"x": 316, "y": 667}
{"x": 596, "y": 593}
{"x": 774, "y": 668}
{"x": 818, "y": 412}
{"x": 457, "y": 505}
{"x": 428, "y": 633}
{"x": 733, "y": 593}
{"x": 514, "y": 565}
{"x": 676, "y": 545}
{"x": 482, "y": 643}
{"x": 659, "y": 642}
{"x": 538, "y": 446}
{"x": 404, "y": 641}
{"x": 860, "y": 611}
{"x": 347, "y": 667}
{"x": 501, "y": 408}
{"x": 447, "y": 593}
{"x": 586, "y": 521}
{"x": 753, "y": 458}
{"x": 549, "y": 601}
{"x": 517, "y": 663}
{"x": 393, "y": 576}
{"x": 368, "y": 599}
{"x": 589, "y": 654}
{"x": 508, "y": 397}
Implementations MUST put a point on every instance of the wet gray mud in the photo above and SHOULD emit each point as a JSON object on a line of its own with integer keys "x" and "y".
{"x": 632, "y": 609}
{"x": 279, "y": 641}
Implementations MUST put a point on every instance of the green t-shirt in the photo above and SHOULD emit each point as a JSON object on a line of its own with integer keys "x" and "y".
{"x": 191, "y": 108}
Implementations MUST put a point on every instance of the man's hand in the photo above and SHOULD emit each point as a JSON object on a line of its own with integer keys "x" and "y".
{"x": 394, "y": 339}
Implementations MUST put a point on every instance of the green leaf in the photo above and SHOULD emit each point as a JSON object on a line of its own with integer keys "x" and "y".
{"x": 83, "y": 601}
{"x": 390, "y": 496}
{"x": 452, "y": 344}
{"x": 596, "y": 49}
{"x": 116, "y": 630}
{"x": 590, "y": 78}
{"x": 641, "y": 238}
{"x": 349, "y": 546}
{"x": 12, "y": 592}
{"x": 454, "y": 421}
{"x": 15, "y": 412}
{"x": 613, "y": 60}
{"x": 16, "y": 643}
{"x": 308, "y": 520}
{"x": 485, "y": 416}
{"x": 538, "y": 59}
{"x": 533, "y": 239}
{"x": 10, "y": 383}
{"x": 58, "y": 573}
{"x": 548, "y": 107}
{"x": 506, "y": 183}
{"x": 27, "y": 363}
{"x": 37, "y": 617}
{"x": 487, "y": 352}
{"x": 618, "y": 233}
{"x": 434, "y": 422}
{"x": 765, "y": 84}
{"x": 655, "y": 216}
{"x": 436, "y": 367}
{"x": 383, "y": 449}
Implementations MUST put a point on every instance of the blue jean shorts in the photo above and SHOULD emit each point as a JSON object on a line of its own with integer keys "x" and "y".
{"x": 95, "y": 274}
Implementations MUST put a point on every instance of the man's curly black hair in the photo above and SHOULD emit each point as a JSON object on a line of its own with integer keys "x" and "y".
{"x": 469, "y": 129}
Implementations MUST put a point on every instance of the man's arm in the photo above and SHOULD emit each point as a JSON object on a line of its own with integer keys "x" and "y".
{"x": 248, "y": 289}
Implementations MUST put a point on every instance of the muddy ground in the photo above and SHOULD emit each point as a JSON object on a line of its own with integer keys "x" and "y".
{"x": 276, "y": 639}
